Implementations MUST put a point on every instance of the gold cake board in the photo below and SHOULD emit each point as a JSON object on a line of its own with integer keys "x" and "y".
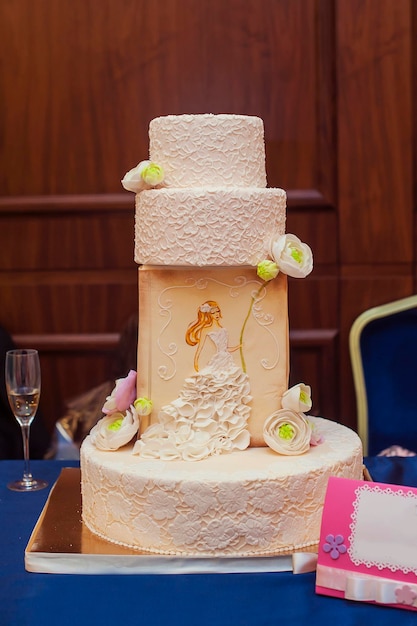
{"x": 61, "y": 544}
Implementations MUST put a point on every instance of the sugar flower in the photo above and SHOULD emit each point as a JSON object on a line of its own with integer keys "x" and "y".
{"x": 143, "y": 406}
{"x": 287, "y": 432}
{"x": 152, "y": 173}
{"x": 145, "y": 175}
{"x": 115, "y": 430}
{"x": 122, "y": 396}
{"x": 267, "y": 270}
{"x": 297, "y": 398}
{"x": 293, "y": 257}
{"x": 316, "y": 437}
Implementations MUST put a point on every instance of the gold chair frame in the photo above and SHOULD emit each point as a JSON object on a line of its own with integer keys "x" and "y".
{"x": 358, "y": 325}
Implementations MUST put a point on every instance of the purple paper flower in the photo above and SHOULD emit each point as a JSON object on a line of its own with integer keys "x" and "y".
{"x": 405, "y": 595}
{"x": 334, "y": 545}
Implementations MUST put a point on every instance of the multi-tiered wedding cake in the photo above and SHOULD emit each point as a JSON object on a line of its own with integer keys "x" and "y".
{"x": 205, "y": 451}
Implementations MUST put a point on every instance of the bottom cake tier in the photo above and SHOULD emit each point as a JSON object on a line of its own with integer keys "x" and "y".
{"x": 249, "y": 503}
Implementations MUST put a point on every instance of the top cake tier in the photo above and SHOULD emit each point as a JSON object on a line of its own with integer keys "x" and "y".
{"x": 209, "y": 150}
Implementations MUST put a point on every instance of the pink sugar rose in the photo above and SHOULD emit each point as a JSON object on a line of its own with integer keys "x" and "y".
{"x": 126, "y": 391}
{"x": 122, "y": 396}
{"x": 316, "y": 438}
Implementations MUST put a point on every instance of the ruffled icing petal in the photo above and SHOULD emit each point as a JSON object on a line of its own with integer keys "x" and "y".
{"x": 208, "y": 417}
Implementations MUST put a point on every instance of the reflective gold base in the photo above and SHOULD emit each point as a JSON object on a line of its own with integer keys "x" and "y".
{"x": 61, "y": 544}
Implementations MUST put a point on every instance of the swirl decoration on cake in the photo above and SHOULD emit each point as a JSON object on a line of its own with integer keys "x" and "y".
{"x": 234, "y": 289}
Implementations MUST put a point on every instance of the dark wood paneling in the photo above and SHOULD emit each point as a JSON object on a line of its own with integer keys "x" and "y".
{"x": 70, "y": 364}
{"x": 67, "y": 232}
{"x": 313, "y": 356}
{"x": 375, "y": 131}
{"x": 375, "y": 155}
{"x": 92, "y": 73}
{"x": 67, "y": 267}
{"x": 333, "y": 81}
{"x": 76, "y": 302}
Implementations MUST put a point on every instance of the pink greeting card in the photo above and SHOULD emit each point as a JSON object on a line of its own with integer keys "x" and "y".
{"x": 368, "y": 543}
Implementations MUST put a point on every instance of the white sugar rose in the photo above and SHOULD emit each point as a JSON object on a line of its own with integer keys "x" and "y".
{"x": 133, "y": 181}
{"x": 297, "y": 398}
{"x": 287, "y": 432}
{"x": 292, "y": 256}
{"x": 145, "y": 175}
{"x": 115, "y": 430}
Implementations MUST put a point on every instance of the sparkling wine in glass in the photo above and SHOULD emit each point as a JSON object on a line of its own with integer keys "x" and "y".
{"x": 23, "y": 384}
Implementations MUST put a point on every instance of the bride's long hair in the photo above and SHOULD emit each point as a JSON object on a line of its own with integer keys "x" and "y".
{"x": 205, "y": 319}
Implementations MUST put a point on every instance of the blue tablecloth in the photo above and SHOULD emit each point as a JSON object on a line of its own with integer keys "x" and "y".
{"x": 172, "y": 600}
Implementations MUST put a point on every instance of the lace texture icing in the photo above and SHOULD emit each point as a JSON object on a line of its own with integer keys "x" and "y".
{"x": 209, "y": 150}
{"x": 207, "y": 227}
{"x": 253, "y": 502}
{"x": 209, "y": 416}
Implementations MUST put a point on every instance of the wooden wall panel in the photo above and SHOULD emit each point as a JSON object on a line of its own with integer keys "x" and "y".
{"x": 375, "y": 155}
{"x": 58, "y": 240}
{"x": 314, "y": 357}
{"x": 80, "y": 95}
{"x": 95, "y": 303}
{"x": 92, "y": 73}
{"x": 375, "y": 131}
{"x": 68, "y": 362}
{"x": 333, "y": 81}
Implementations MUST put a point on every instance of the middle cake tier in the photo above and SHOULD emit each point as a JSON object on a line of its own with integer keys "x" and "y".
{"x": 193, "y": 378}
{"x": 201, "y": 227}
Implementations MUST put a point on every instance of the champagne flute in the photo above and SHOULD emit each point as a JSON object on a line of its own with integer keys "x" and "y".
{"x": 23, "y": 384}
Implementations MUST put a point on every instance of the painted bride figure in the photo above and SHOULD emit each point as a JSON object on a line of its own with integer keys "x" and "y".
{"x": 210, "y": 414}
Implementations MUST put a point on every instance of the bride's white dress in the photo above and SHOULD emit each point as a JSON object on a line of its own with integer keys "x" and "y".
{"x": 208, "y": 417}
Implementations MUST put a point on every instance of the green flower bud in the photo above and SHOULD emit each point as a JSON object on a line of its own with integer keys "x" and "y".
{"x": 143, "y": 406}
{"x": 152, "y": 174}
{"x": 267, "y": 270}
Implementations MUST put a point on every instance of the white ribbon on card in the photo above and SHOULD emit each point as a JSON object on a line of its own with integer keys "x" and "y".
{"x": 364, "y": 588}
